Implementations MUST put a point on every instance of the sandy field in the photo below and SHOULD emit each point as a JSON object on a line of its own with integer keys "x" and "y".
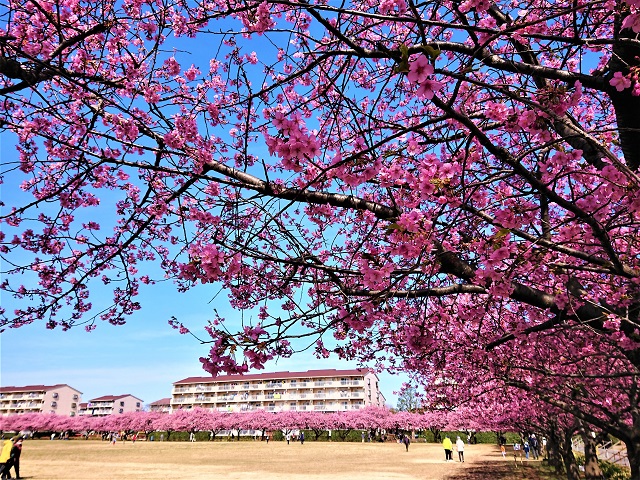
{"x": 79, "y": 459}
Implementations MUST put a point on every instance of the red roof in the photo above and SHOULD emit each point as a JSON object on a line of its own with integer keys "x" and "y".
{"x": 162, "y": 401}
{"x": 35, "y": 388}
{"x": 277, "y": 375}
{"x": 112, "y": 398}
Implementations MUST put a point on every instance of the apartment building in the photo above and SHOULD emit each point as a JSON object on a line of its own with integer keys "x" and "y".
{"x": 60, "y": 399}
{"x": 108, "y": 404}
{"x": 163, "y": 405}
{"x": 313, "y": 390}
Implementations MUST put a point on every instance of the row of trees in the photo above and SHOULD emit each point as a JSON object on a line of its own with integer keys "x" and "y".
{"x": 197, "y": 419}
{"x": 448, "y": 189}
{"x": 556, "y": 427}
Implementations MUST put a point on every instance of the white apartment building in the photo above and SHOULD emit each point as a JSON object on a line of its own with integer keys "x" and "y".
{"x": 314, "y": 390}
{"x": 60, "y": 399}
{"x": 108, "y": 404}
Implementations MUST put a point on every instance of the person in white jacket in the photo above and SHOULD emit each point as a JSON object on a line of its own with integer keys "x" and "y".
{"x": 460, "y": 449}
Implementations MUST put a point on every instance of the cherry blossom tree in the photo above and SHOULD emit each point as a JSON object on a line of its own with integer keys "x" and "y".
{"x": 317, "y": 423}
{"x": 396, "y": 182}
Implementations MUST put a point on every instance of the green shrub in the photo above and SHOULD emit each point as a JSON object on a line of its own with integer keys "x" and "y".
{"x": 610, "y": 471}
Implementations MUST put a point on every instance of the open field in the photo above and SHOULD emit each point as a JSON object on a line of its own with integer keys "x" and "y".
{"x": 78, "y": 459}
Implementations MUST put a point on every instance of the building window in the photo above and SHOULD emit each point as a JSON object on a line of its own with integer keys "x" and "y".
{"x": 55, "y": 395}
{"x": 122, "y": 405}
{"x": 121, "y": 410}
{"x": 138, "y": 404}
{"x": 54, "y": 404}
{"x": 75, "y": 397}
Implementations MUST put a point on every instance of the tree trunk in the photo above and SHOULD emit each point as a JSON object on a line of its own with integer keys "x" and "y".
{"x": 553, "y": 451}
{"x": 591, "y": 468}
{"x": 633, "y": 452}
{"x": 570, "y": 465}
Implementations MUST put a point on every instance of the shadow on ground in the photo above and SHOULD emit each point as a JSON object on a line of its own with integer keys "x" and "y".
{"x": 491, "y": 470}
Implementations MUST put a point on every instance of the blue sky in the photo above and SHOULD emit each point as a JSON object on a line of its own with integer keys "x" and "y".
{"x": 143, "y": 357}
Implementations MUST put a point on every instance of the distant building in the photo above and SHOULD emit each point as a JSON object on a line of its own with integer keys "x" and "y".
{"x": 313, "y": 390}
{"x": 163, "y": 405}
{"x": 60, "y": 399}
{"x": 109, "y": 404}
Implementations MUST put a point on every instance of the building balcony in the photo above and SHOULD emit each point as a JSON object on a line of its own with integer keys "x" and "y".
{"x": 205, "y": 399}
{"x": 185, "y": 399}
{"x": 323, "y": 383}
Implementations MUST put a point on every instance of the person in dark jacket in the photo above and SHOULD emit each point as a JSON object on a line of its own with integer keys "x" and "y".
{"x": 16, "y": 451}
{"x": 406, "y": 442}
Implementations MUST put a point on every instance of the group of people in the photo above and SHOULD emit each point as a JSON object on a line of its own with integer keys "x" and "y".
{"x": 289, "y": 436}
{"x": 530, "y": 446}
{"x": 447, "y": 444}
{"x": 10, "y": 457}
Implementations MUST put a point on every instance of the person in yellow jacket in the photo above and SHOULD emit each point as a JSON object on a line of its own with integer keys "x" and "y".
{"x": 5, "y": 454}
{"x": 448, "y": 449}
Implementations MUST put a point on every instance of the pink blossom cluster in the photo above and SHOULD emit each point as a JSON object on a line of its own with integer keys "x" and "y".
{"x": 206, "y": 265}
{"x": 419, "y": 71}
{"x": 294, "y": 144}
{"x": 258, "y": 20}
{"x": 390, "y": 7}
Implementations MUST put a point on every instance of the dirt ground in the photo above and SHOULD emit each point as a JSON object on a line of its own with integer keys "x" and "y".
{"x": 79, "y": 459}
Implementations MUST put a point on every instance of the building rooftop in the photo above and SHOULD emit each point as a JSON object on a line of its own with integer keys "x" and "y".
{"x": 112, "y": 398}
{"x": 35, "y": 388}
{"x": 277, "y": 375}
{"x": 162, "y": 401}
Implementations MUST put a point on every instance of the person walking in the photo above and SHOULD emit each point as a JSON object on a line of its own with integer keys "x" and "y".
{"x": 301, "y": 437}
{"x": 14, "y": 459}
{"x": 288, "y": 437}
{"x": 460, "y": 449}
{"x": 406, "y": 442}
{"x": 448, "y": 449}
{"x": 535, "y": 446}
{"x": 5, "y": 455}
{"x": 517, "y": 452}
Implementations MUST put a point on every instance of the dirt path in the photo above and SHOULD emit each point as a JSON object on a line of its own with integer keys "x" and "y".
{"x": 58, "y": 460}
